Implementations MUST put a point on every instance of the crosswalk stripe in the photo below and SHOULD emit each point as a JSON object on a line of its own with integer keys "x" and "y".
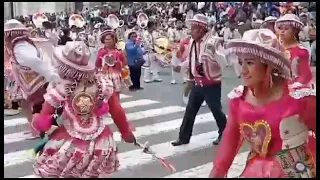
{"x": 22, "y": 156}
{"x": 131, "y": 116}
{"x": 140, "y": 102}
{"x": 204, "y": 170}
{"x": 123, "y": 96}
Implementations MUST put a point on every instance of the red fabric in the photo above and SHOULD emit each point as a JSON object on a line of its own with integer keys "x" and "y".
{"x": 308, "y": 115}
{"x": 304, "y": 70}
{"x": 120, "y": 58}
{"x": 229, "y": 145}
{"x": 118, "y": 115}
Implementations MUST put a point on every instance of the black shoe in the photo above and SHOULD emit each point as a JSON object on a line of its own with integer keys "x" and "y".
{"x": 179, "y": 142}
{"x": 140, "y": 88}
{"x": 217, "y": 141}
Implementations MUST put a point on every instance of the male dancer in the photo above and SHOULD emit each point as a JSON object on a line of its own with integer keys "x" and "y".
{"x": 205, "y": 69}
{"x": 31, "y": 73}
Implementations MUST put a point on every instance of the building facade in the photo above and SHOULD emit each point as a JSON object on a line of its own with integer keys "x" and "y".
{"x": 29, "y": 8}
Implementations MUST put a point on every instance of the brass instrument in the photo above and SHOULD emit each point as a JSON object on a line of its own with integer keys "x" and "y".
{"x": 142, "y": 20}
{"x": 76, "y": 20}
{"x": 38, "y": 19}
{"x": 163, "y": 49}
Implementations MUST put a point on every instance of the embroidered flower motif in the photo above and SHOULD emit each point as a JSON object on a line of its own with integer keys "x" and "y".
{"x": 236, "y": 92}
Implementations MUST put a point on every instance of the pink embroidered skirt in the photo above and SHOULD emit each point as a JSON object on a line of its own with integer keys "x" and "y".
{"x": 66, "y": 157}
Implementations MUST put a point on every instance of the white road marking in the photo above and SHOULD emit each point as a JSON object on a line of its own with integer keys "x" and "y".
{"x": 141, "y": 102}
{"x": 204, "y": 170}
{"x": 18, "y": 157}
{"x": 123, "y": 96}
{"x": 131, "y": 116}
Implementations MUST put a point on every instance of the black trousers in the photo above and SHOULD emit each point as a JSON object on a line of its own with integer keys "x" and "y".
{"x": 135, "y": 74}
{"x": 212, "y": 95}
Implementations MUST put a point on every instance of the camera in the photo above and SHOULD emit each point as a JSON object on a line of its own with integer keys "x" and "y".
{"x": 200, "y": 70}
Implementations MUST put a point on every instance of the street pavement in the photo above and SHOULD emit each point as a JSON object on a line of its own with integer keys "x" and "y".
{"x": 157, "y": 113}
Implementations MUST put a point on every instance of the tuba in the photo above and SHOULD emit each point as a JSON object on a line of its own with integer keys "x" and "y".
{"x": 142, "y": 20}
{"x": 113, "y": 21}
{"x": 76, "y": 20}
{"x": 38, "y": 19}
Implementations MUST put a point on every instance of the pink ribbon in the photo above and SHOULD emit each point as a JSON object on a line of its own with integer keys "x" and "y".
{"x": 146, "y": 149}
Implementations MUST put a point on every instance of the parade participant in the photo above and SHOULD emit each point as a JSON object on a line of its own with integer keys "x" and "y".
{"x": 109, "y": 62}
{"x": 30, "y": 71}
{"x": 288, "y": 28}
{"x": 268, "y": 23}
{"x": 304, "y": 34}
{"x": 12, "y": 91}
{"x": 205, "y": 69}
{"x": 281, "y": 146}
{"x": 151, "y": 66}
{"x": 82, "y": 146}
{"x": 135, "y": 60}
{"x": 232, "y": 33}
{"x": 45, "y": 28}
{"x": 176, "y": 34}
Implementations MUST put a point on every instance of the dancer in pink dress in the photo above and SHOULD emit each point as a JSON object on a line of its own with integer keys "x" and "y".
{"x": 288, "y": 28}
{"x": 274, "y": 119}
{"x": 82, "y": 146}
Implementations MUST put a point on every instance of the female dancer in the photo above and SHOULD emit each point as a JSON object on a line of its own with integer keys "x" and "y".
{"x": 288, "y": 28}
{"x": 109, "y": 63}
{"x": 82, "y": 146}
{"x": 272, "y": 117}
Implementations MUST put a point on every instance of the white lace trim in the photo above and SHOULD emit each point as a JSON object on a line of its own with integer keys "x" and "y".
{"x": 303, "y": 92}
{"x": 236, "y": 92}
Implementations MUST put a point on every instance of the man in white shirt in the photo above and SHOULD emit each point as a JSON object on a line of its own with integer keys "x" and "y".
{"x": 151, "y": 66}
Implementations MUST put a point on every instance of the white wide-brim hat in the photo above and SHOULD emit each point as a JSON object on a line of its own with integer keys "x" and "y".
{"x": 269, "y": 19}
{"x": 199, "y": 19}
{"x": 14, "y": 27}
{"x": 264, "y": 45}
{"x": 73, "y": 61}
{"x": 290, "y": 19}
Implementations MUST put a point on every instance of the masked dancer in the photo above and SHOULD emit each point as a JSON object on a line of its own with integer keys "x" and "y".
{"x": 277, "y": 121}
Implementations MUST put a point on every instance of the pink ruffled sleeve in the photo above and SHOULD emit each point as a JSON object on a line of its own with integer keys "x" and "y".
{"x": 230, "y": 144}
{"x": 308, "y": 115}
{"x": 304, "y": 70}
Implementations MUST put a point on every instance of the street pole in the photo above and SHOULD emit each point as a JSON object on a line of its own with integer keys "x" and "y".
{"x": 11, "y": 10}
